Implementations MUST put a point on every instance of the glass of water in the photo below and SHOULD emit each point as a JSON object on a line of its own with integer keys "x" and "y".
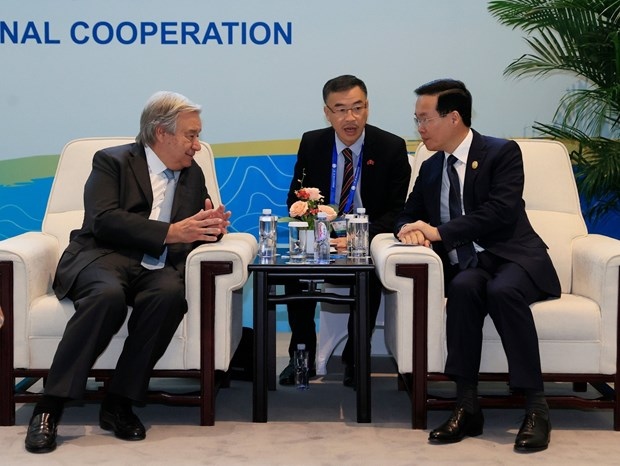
{"x": 297, "y": 241}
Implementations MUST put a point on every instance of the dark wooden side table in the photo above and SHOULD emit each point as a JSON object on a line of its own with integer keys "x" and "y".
{"x": 267, "y": 275}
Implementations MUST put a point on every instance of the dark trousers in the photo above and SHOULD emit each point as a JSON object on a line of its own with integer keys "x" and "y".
{"x": 101, "y": 294}
{"x": 303, "y": 327}
{"x": 504, "y": 291}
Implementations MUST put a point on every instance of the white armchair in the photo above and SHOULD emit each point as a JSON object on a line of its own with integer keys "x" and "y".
{"x": 578, "y": 333}
{"x": 202, "y": 346}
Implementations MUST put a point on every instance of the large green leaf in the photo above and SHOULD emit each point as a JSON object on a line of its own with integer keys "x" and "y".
{"x": 581, "y": 38}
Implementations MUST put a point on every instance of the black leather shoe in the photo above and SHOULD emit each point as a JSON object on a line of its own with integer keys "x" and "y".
{"x": 123, "y": 422}
{"x": 349, "y": 376}
{"x": 534, "y": 434}
{"x": 459, "y": 425}
{"x": 287, "y": 376}
{"x": 41, "y": 436}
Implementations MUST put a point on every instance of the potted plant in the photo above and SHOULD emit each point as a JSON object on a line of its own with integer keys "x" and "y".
{"x": 581, "y": 37}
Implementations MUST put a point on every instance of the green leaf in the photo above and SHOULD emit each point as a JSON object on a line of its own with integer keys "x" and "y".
{"x": 580, "y": 38}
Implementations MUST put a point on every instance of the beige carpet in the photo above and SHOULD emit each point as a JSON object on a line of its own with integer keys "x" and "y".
{"x": 316, "y": 427}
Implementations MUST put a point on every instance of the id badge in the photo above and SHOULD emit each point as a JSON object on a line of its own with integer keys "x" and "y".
{"x": 339, "y": 225}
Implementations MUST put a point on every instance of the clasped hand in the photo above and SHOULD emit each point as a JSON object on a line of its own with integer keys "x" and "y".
{"x": 339, "y": 243}
{"x": 418, "y": 233}
{"x": 206, "y": 225}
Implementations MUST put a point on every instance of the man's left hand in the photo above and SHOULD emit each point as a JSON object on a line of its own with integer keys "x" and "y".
{"x": 419, "y": 232}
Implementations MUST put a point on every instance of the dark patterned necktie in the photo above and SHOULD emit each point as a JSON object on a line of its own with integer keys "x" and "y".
{"x": 347, "y": 181}
{"x": 465, "y": 253}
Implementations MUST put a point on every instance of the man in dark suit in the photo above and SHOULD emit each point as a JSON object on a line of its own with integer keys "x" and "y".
{"x": 494, "y": 261}
{"x": 380, "y": 181}
{"x": 146, "y": 207}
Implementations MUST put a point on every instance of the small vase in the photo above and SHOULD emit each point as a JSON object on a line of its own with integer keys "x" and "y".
{"x": 309, "y": 241}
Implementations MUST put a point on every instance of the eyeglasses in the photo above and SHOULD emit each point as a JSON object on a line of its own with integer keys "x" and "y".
{"x": 424, "y": 121}
{"x": 356, "y": 110}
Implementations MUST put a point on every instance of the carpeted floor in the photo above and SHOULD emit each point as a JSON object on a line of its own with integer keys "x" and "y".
{"x": 316, "y": 427}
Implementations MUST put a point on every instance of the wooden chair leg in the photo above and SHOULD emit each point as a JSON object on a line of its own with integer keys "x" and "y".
{"x": 419, "y": 275}
{"x": 208, "y": 272}
{"x": 7, "y": 378}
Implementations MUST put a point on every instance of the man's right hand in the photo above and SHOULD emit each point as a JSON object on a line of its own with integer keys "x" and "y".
{"x": 409, "y": 234}
{"x": 206, "y": 225}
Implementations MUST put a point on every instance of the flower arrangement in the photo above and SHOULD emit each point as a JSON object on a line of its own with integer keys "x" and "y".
{"x": 309, "y": 204}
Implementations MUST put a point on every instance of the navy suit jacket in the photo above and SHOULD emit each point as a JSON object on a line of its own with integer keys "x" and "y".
{"x": 384, "y": 178}
{"x": 495, "y": 216}
{"x": 118, "y": 201}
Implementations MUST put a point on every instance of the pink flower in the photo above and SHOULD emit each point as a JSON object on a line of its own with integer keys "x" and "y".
{"x": 309, "y": 194}
{"x": 298, "y": 209}
{"x": 309, "y": 204}
{"x": 331, "y": 213}
{"x": 314, "y": 194}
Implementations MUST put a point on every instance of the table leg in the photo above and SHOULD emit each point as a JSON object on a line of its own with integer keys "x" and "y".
{"x": 362, "y": 356}
{"x": 259, "y": 387}
{"x": 271, "y": 347}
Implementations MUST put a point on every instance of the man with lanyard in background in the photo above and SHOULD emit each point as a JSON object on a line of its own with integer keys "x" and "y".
{"x": 359, "y": 165}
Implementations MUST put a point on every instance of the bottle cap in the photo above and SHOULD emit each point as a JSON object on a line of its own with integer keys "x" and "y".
{"x": 266, "y": 211}
{"x": 321, "y": 215}
{"x": 301, "y": 346}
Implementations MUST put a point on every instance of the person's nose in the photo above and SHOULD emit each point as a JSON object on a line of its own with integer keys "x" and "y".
{"x": 349, "y": 116}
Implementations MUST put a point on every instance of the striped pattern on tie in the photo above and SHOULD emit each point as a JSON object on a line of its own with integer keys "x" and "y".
{"x": 347, "y": 180}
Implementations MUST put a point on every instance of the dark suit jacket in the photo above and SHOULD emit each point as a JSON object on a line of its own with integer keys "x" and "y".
{"x": 495, "y": 216}
{"x": 118, "y": 200}
{"x": 384, "y": 178}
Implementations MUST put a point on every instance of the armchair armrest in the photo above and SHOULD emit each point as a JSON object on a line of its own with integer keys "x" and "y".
{"x": 34, "y": 256}
{"x": 237, "y": 247}
{"x": 386, "y": 252}
{"x": 408, "y": 301}
{"x": 596, "y": 259}
{"x": 595, "y": 275}
{"x": 32, "y": 259}
{"x": 229, "y": 259}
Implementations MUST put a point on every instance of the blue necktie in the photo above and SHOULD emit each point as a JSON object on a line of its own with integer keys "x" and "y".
{"x": 150, "y": 262}
{"x": 465, "y": 253}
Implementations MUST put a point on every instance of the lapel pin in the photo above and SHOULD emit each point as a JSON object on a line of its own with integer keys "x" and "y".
{"x": 474, "y": 164}
{"x": 370, "y": 162}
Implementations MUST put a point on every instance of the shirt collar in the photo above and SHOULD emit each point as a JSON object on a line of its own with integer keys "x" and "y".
{"x": 356, "y": 147}
{"x": 462, "y": 151}
{"x": 156, "y": 166}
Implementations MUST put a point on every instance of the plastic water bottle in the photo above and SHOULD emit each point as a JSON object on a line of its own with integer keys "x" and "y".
{"x": 359, "y": 235}
{"x": 321, "y": 239}
{"x": 348, "y": 217}
{"x": 301, "y": 367}
{"x": 268, "y": 234}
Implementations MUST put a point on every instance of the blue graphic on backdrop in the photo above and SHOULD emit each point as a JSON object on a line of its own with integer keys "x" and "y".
{"x": 250, "y": 184}
{"x": 247, "y": 186}
{"x": 22, "y": 207}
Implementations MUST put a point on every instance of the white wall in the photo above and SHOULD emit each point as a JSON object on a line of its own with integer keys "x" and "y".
{"x": 51, "y": 93}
